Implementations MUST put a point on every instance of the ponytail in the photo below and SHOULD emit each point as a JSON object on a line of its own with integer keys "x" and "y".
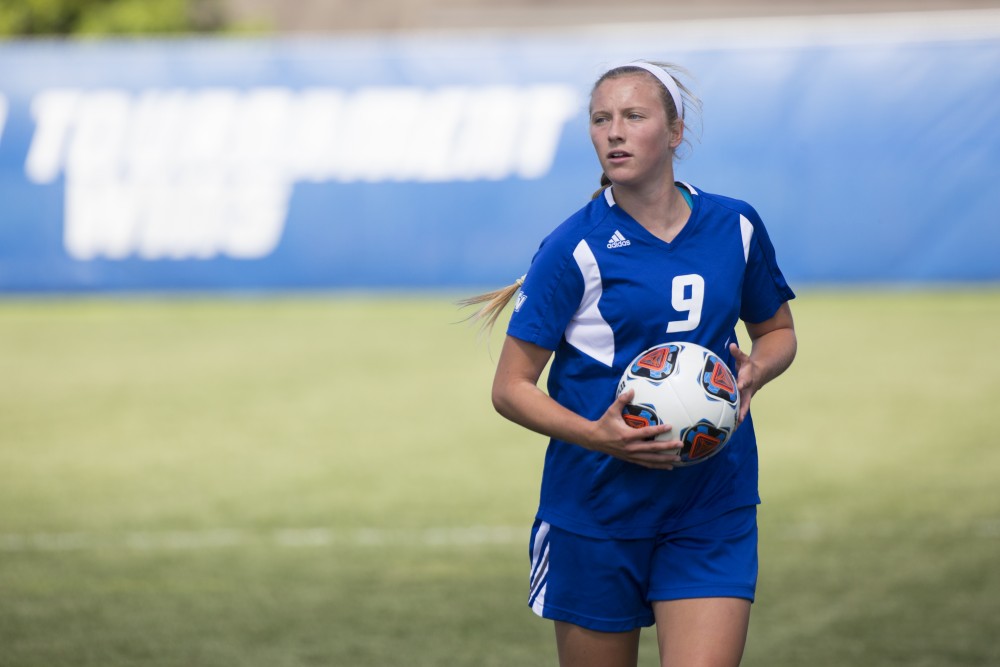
{"x": 605, "y": 182}
{"x": 494, "y": 303}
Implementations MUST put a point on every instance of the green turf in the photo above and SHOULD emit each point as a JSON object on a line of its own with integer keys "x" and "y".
{"x": 322, "y": 481}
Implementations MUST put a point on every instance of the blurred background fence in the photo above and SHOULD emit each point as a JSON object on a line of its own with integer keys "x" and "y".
{"x": 439, "y": 158}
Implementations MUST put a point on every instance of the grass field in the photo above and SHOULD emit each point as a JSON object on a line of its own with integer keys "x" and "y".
{"x": 322, "y": 481}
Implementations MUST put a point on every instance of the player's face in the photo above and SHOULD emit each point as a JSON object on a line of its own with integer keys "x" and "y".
{"x": 628, "y": 125}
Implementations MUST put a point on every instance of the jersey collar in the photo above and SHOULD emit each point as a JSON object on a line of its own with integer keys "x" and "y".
{"x": 609, "y": 197}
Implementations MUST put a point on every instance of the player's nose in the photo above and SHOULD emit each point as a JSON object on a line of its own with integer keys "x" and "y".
{"x": 616, "y": 129}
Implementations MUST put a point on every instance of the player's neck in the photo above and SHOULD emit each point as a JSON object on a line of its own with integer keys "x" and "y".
{"x": 661, "y": 209}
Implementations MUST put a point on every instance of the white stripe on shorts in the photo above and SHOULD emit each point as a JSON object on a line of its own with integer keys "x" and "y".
{"x": 539, "y": 568}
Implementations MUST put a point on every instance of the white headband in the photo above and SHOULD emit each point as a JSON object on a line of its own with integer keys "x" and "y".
{"x": 663, "y": 77}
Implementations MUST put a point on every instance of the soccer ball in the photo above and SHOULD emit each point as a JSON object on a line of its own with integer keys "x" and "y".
{"x": 688, "y": 387}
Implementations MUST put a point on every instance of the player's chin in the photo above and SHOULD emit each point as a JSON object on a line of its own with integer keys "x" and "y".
{"x": 618, "y": 176}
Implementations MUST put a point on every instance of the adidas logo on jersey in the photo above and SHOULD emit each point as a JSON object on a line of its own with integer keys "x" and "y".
{"x": 617, "y": 240}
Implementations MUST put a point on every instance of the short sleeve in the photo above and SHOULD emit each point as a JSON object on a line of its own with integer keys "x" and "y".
{"x": 764, "y": 286}
{"x": 549, "y": 298}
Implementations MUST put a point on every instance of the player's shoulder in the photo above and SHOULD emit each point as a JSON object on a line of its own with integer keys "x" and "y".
{"x": 723, "y": 203}
{"x": 577, "y": 227}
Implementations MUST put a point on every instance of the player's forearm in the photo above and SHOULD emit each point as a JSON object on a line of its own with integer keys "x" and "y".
{"x": 772, "y": 353}
{"x": 525, "y": 404}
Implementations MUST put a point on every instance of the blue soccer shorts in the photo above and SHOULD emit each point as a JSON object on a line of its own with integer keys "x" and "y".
{"x": 610, "y": 585}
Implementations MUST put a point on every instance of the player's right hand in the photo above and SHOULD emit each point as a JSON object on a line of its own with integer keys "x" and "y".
{"x": 613, "y": 436}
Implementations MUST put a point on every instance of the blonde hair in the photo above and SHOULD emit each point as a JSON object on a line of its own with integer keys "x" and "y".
{"x": 493, "y": 304}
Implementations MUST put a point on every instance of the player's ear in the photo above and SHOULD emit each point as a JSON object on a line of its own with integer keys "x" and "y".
{"x": 676, "y": 134}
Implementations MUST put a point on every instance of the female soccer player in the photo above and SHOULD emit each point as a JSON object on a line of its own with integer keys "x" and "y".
{"x": 624, "y": 539}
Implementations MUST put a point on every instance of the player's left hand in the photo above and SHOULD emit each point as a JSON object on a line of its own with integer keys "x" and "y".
{"x": 746, "y": 378}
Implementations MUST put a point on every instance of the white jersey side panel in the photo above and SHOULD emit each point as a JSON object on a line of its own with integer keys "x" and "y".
{"x": 588, "y": 331}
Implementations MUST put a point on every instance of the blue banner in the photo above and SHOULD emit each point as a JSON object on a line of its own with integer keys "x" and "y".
{"x": 441, "y": 161}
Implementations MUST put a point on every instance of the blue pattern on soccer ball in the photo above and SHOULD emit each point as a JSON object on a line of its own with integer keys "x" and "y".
{"x": 657, "y": 375}
{"x": 710, "y": 386}
{"x": 707, "y": 428}
{"x": 697, "y": 449}
{"x": 642, "y": 371}
{"x": 645, "y": 413}
{"x": 641, "y": 412}
{"x": 706, "y": 381}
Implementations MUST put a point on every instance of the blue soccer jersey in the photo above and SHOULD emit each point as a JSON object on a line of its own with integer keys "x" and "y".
{"x": 600, "y": 290}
